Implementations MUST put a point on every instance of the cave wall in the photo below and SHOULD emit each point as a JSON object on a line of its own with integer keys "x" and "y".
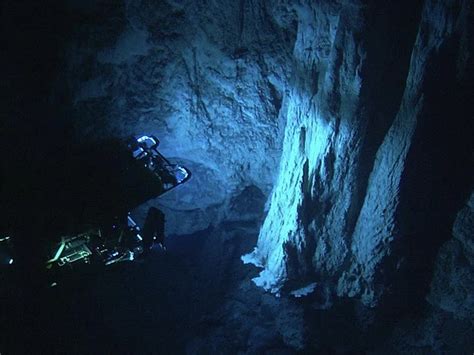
{"x": 452, "y": 286}
{"x": 333, "y": 108}
{"x": 376, "y": 157}
{"x": 354, "y": 117}
{"x": 207, "y": 78}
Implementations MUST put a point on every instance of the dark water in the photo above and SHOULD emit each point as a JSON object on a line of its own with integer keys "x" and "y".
{"x": 141, "y": 307}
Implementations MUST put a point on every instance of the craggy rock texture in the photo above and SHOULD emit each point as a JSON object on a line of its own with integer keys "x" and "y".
{"x": 452, "y": 288}
{"x": 352, "y": 119}
{"x": 357, "y": 175}
{"x": 446, "y": 325}
{"x": 207, "y": 78}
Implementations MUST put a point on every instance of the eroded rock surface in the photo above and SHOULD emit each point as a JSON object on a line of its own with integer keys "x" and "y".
{"x": 452, "y": 288}
{"x": 353, "y": 118}
{"x": 358, "y": 184}
{"x": 446, "y": 325}
{"x": 207, "y": 78}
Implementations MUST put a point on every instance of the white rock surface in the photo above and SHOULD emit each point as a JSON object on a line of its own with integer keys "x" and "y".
{"x": 324, "y": 221}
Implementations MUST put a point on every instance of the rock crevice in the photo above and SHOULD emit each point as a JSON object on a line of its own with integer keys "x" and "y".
{"x": 346, "y": 197}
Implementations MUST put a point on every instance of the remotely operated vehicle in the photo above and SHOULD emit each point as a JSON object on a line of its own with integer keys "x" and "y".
{"x": 95, "y": 227}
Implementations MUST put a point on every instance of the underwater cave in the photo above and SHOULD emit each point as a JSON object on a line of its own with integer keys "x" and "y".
{"x": 330, "y": 206}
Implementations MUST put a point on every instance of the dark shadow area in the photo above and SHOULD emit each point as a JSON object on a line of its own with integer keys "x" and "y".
{"x": 33, "y": 131}
{"x": 155, "y": 305}
{"x": 390, "y": 34}
{"x": 134, "y": 308}
{"x": 436, "y": 182}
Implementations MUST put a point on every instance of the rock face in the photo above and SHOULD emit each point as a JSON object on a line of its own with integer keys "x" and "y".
{"x": 356, "y": 198}
{"x": 207, "y": 78}
{"x": 452, "y": 285}
{"x": 446, "y": 324}
{"x": 352, "y": 119}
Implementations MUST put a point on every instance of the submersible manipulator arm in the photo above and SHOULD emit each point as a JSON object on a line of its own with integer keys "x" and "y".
{"x": 90, "y": 198}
